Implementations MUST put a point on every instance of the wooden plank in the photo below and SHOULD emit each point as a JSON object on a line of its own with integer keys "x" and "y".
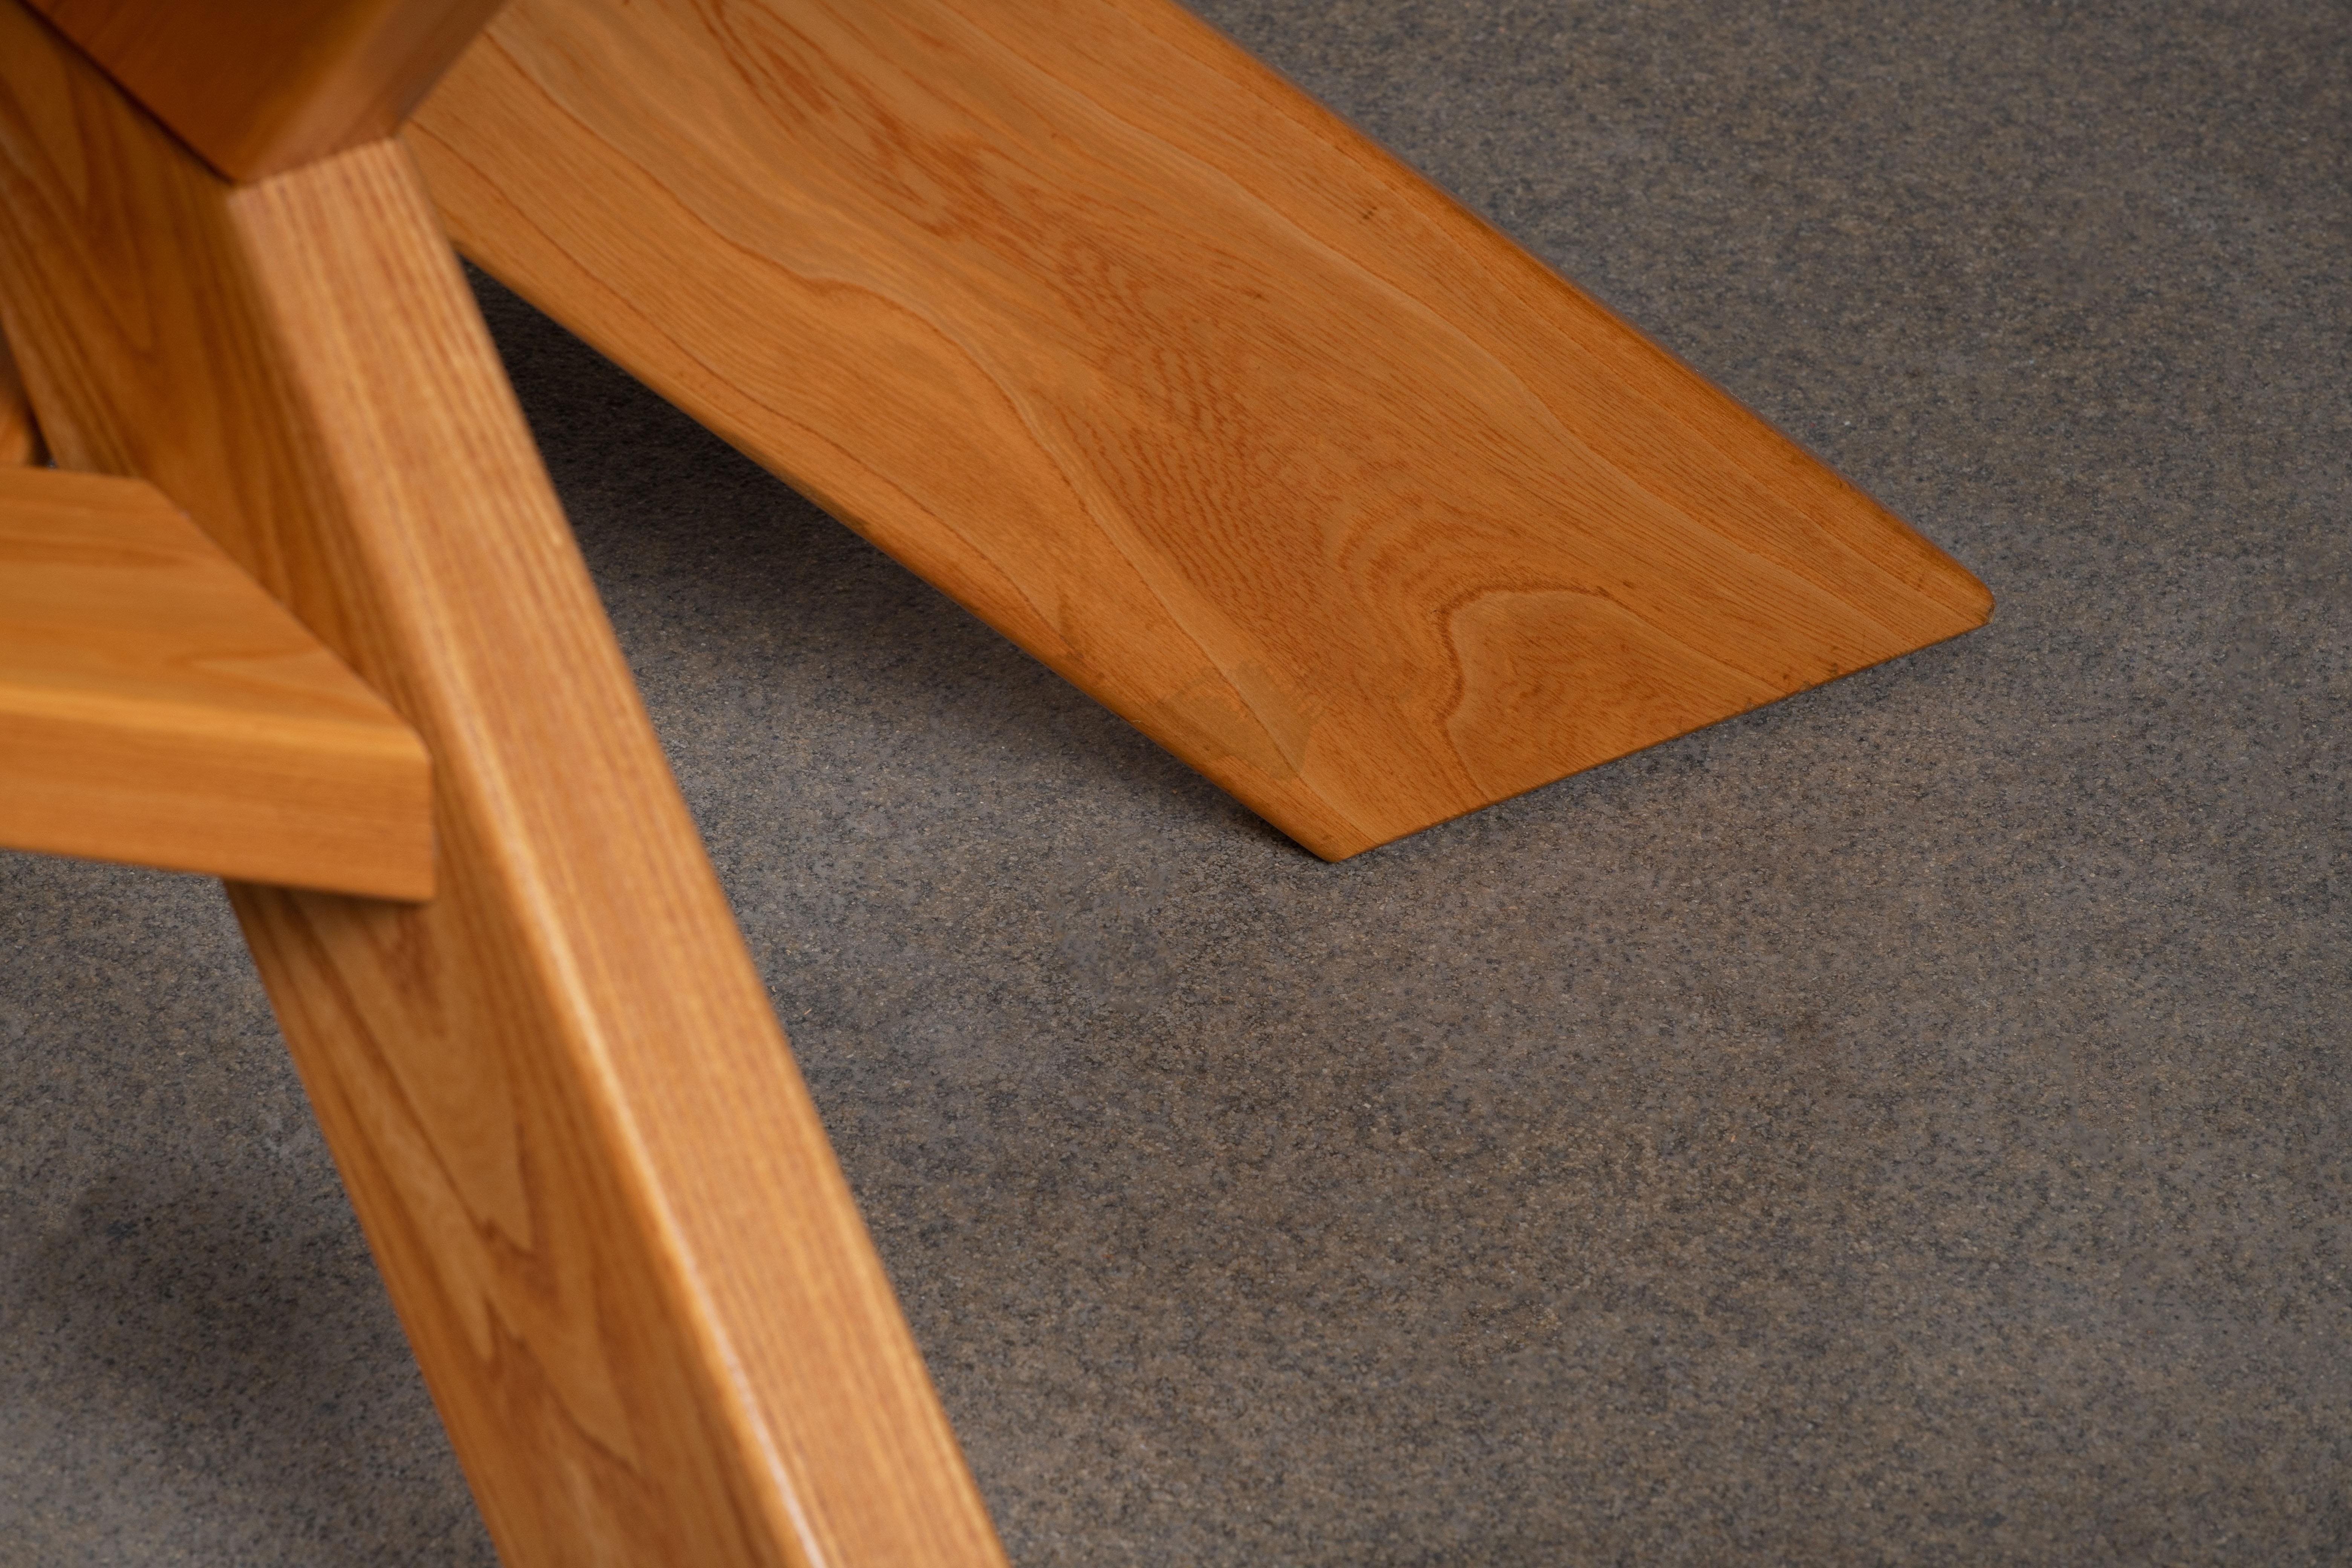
{"x": 157, "y": 707}
{"x": 1178, "y": 381}
{"x": 20, "y": 436}
{"x": 262, "y": 86}
{"x": 599, "y": 1196}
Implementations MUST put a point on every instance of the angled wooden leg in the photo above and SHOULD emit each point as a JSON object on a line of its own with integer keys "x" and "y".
{"x": 598, "y": 1191}
{"x": 1176, "y": 380}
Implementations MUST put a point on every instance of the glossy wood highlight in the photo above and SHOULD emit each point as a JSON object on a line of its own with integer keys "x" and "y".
{"x": 157, "y": 707}
{"x": 598, "y": 1191}
{"x": 260, "y": 86}
{"x": 1177, "y": 380}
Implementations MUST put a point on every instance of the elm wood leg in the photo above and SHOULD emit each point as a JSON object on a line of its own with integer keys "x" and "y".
{"x": 599, "y": 1194}
{"x": 1176, "y": 380}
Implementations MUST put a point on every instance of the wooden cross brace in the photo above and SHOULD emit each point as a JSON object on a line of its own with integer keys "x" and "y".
{"x": 1070, "y": 305}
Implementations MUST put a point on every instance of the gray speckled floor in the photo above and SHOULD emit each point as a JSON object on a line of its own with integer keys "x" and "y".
{"x": 1908, "y": 1125}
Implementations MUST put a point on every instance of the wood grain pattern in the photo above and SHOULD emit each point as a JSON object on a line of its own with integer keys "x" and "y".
{"x": 20, "y": 436}
{"x": 1175, "y": 380}
{"x": 593, "y": 1180}
{"x": 262, "y": 86}
{"x": 157, "y": 707}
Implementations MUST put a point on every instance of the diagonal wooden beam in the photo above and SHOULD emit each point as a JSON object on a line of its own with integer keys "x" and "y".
{"x": 1177, "y": 380}
{"x": 258, "y": 87}
{"x": 598, "y": 1191}
{"x": 157, "y": 707}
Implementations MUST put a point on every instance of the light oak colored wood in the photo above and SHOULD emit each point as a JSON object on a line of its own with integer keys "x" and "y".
{"x": 1178, "y": 381}
{"x": 262, "y": 86}
{"x": 20, "y": 438}
{"x": 157, "y": 707}
{"x": 599, "y": 1194}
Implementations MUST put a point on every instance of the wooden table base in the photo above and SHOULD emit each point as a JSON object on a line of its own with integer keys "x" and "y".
{"x": 1086, "y": 316}
{"x": 601, "y": 1199}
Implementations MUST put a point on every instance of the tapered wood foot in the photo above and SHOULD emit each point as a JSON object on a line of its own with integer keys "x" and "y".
{"x": 598, "y": 1191}
{"x": 1178, "y": 381}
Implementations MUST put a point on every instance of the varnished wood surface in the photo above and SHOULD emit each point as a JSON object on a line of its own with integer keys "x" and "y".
{"x": 598, "y": 1191}
{"x": 260, "y": 86}
{"x": 1177, "y": 380}
{"x": 20, "y": 438}
{"x": 157, "y": 707}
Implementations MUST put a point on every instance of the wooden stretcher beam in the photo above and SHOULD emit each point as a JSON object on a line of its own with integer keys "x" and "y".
{"x": 1176, "y": 380}
{"x": 157, "y": 707}
{"x": 258, "y": 87}
{"x": 601, "y": 1199}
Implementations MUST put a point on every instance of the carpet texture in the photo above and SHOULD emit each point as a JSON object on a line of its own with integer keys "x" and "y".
{"x": 1907, "y": 1124}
